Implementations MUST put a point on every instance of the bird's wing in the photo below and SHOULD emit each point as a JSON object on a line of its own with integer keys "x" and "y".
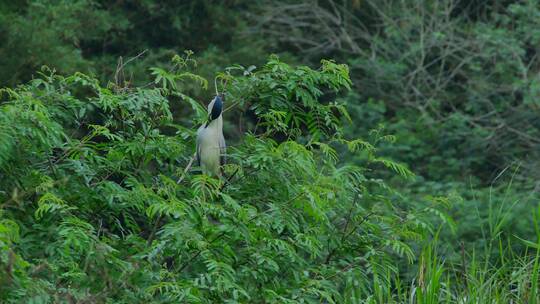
{"x": 222, "y": 150}
{"x": 198, "y": 147}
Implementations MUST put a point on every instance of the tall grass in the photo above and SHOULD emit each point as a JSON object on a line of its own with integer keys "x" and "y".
{"x": 505, "y": 269}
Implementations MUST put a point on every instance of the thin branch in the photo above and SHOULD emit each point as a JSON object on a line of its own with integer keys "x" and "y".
{"x": 226, "y": 183}
{"x": 120, "y": 68}
{"x": 346, "y": 235}
{"x": 187, "y": 168}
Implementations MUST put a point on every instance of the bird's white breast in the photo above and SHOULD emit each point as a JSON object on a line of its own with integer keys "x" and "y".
{"x": 209, "y": 147}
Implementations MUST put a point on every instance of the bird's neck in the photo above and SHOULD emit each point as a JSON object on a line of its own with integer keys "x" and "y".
{"x": 216, "y": 123}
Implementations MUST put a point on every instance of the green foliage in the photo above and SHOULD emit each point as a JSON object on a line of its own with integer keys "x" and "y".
{"x": 41, "y": 32}
{"x": 456, "y": 82}
{"x": 269, "y": 92}
{"x": 90, "y": 35}
{"x": 92, "y": 210}
{"x": 170, "y": 78}
{"x": 456, "y": 85}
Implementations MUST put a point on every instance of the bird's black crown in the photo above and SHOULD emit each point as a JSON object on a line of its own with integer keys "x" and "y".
{"x": 217, "y": 108}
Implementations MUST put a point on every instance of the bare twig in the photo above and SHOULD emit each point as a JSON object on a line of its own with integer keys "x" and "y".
{"x": 346, "y": 235}
{"x": 119, "y": 76}
{"x": 187, "y": 168}
{"x": 226, "y": 183}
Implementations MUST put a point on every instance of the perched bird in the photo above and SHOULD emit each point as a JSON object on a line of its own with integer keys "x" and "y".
{"x": 210, "y": 140}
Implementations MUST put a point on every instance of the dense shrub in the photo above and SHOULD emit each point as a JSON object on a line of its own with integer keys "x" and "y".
{"x": 97, "y": 206}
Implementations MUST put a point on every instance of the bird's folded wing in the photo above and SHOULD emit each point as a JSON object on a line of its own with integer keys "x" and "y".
{"x": 222, "y": 150}
{"x": 198, "y": 147}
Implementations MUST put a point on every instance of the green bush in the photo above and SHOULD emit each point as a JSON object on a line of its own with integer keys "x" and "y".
{"x": 97, "y": 207}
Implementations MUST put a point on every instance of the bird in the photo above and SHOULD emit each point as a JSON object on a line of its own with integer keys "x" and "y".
{"x": 211, "y": 146}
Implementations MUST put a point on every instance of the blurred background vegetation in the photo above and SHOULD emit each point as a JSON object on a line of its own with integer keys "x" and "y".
{"x": 457, "y": 82}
